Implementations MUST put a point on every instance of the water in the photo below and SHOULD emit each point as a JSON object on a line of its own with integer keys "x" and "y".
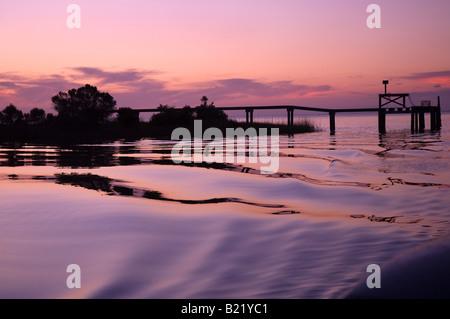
{"x": 141, "y": 227}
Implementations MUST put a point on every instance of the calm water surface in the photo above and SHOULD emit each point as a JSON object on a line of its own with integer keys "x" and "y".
{"x": 141, "y": 227}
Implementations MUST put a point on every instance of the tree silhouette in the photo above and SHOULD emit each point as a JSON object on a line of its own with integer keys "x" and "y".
{"x": 127, "y": 116}
{"x": 35, "y": 117}
{"x": 204, "y": 101}
{"x": 11, "y": 115}
{"x": 209, "y": 114}
{"x": 171, "y": 116}
{"x": 85, "y": 106}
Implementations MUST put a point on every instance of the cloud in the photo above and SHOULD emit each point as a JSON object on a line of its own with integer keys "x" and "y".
{"x": 142, "y": 88}
{"x": 33, "y": 91}
{"x": 264, "y": 89}
{"x": 8, "y": 85}
{"x": 439, "y": 79}
{"x": 242, "y": 91}
{"x": 106, "y": 77}
{"x": 427, "y": 75}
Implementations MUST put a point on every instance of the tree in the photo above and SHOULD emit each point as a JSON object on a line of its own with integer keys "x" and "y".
{"x": 171, "y": 116}
{"x": 127, "y": 116}
{"x": 209, "y": 114}
{"x": 204, "y": 100}
{"x": 35, "y": 117}
{"x": 85, "y": 106}
{"x": 11, "y": 115}
{"x": 50, "y": 119}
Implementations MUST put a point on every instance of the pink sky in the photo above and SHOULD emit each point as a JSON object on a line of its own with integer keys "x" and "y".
{"x": 245, "y": 52}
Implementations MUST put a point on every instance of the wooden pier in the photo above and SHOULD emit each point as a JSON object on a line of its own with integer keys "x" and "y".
{"x": 384, "y": 100}
{"x": 417, "y": 114}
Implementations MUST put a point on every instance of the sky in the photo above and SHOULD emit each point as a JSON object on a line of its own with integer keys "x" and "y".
{"x": 237, "y": 52}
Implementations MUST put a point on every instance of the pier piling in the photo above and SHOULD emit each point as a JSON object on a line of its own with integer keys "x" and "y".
{"x": 290, "y": 116}
{"x": 421, "y": 120}
{"x": 438, "y": 116}
{"x": 382, "y": 121}
{"x": 433, "y": 121}
{"x": 249, "y": 115}
{"x": 332, "y": 122}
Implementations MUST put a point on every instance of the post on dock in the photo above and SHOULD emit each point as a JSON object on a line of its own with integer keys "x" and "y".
{"x": 381, "y": 120}
{"x": 332, "y": 122}
{"x": 290, "y": 116}
{"x": 433, "y": 118}
{"x": 438, "y": 116}
{"x": 421, "y": 120}
{"x": 416, "y": 120}
{"x": 413, "y": 119}
{"x": 249, "y": 115}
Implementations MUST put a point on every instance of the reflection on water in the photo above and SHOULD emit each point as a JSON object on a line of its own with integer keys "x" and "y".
{"x": 141, "y": 226}
{"x": 389, "y": 219}
{"x": 104, "y": 184}
{"x": 74, "y": 156}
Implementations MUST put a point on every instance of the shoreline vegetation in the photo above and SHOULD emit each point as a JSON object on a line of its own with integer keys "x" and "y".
{"x": 113, "y": 131}
{"x": 86, "y": 115}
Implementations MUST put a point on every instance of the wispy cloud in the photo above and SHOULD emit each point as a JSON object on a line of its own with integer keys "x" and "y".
{"x": 106, "y": 77}
{"x": 142, "y": 88}
{"x": 235, "y": 91}
{"x": 264, "y": 89}
{"x": 31, "y": 91}
{"x": 427, "y": 75}
{"x": 439, "y": 79}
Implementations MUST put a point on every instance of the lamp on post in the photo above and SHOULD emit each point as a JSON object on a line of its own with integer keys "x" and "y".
{"x": 385, "y": 82}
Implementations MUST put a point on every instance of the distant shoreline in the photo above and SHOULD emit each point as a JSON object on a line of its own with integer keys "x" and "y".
{"x": 113, "y": 131}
